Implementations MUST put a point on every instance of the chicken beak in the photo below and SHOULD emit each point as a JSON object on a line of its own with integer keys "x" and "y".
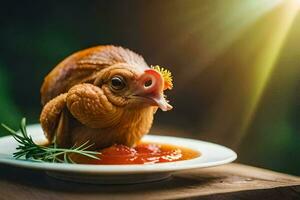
{"x": 161, "y": 102}
{"x": 150, "y": 86}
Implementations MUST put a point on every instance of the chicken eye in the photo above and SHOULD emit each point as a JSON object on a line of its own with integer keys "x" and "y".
{"x": 117, "y": 83}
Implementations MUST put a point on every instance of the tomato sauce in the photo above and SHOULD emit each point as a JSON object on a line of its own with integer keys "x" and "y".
{"x": 143, "y": 153}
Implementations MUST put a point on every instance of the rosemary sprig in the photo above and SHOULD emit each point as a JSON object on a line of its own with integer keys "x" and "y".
{"x": 30, "y": 151}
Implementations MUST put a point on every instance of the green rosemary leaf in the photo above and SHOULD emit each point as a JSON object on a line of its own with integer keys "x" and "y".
{"x": 30, "y": 151}
{"x": 8, "y": 129}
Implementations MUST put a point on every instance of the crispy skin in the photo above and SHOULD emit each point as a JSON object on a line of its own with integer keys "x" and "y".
{"x": 77, "y": 109}
{"x": 90, "y": 106}
{"x": 130, "y": 129}
{"x": 51, "y": 114}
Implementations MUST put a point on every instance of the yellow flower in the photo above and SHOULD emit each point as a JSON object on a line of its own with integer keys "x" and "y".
{"x": 167, "y": 76}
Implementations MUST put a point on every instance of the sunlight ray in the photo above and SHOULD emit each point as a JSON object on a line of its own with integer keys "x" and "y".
{"x": 266, "y": 61}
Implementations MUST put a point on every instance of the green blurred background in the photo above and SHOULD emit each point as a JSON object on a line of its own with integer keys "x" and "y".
{"x": 236, "y": 65}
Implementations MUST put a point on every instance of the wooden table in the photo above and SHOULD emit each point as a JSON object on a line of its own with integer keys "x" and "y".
{"x": 231, "y": 181}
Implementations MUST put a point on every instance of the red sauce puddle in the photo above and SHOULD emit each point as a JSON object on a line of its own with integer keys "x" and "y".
{"x": 143, "y": 153}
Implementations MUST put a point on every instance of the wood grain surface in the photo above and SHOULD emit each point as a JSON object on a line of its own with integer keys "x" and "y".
{"x": 231, "y": 181}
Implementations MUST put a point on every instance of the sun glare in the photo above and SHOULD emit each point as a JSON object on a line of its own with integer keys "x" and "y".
{"x": 297, "y": 2}
{"x": 249, "y": 64}
{"x": 266, "y": 62}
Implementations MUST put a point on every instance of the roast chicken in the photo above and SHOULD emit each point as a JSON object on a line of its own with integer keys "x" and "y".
{"x": 103, "y": 95}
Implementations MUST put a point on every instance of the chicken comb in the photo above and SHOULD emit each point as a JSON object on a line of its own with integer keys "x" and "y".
{"x": 167, "y": 76}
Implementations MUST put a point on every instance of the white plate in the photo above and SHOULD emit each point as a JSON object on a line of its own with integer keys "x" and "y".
{"x": 211, "y": 155}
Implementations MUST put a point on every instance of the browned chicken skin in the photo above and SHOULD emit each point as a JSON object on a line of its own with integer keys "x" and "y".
{"x": 105, "y": 95}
